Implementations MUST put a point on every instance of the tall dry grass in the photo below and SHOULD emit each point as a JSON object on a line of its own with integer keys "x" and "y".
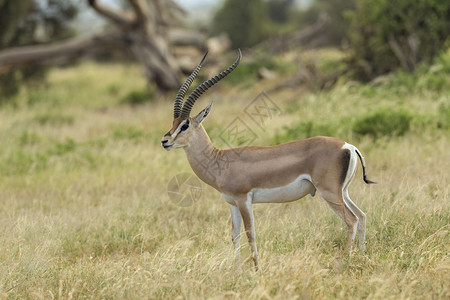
{"x": 85, "y": 211}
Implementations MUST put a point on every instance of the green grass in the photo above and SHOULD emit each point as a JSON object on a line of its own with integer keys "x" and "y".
{"x": 85, "y": 211}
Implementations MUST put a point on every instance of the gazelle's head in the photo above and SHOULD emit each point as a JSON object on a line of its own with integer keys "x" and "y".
{"x": 184, "y": 128}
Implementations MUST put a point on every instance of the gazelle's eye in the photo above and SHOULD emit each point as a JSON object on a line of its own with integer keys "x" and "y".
{"x": 184, "y": 127}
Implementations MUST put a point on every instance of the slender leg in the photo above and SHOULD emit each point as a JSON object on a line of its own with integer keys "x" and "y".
{"x": 246, "y": 210}
{"x": 336, "y": 202}
{"x": 361, "y": 221}
{"x": 236, "y": 221}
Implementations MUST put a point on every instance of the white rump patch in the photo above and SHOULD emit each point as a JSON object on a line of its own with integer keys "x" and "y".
{"x": 349, "y": 147}
{"x": 352, "y": 164}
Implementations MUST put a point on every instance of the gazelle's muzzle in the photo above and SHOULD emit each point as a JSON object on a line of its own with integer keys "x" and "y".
{"x": 165, "y": 142}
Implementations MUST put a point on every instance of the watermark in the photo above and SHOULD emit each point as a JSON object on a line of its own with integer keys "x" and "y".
{"x": 184, "y": 189}
{"x": 237, "y": 133}
{"x": 261, "y": 109}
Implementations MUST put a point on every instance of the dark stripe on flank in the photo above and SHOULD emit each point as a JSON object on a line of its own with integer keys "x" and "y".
{"x": 345, "y": 160}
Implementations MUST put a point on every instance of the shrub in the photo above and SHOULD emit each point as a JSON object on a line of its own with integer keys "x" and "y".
{"x": 387, "y": 35}
{"x": 28, "y": 138}
{"x": 383, "y": 122}
{"x": 335, "y": 31}
{"x": 23, "y": 162}
{"x": 54, "y": 119}
{"x": 248, "y": 71}
{"x": 61, "y": 148}
{"x": 245, "y": 22}
{"x": 443, "y": 116}
{"x": 128, "y": 133}
{"x": 302, "y": 130}
{"x": 139, "y": 96}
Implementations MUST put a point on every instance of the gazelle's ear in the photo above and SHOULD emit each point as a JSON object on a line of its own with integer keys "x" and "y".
{"x": 202, "y": 115}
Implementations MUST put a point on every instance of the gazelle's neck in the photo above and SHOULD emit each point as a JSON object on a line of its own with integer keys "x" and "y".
{"x": 204, "y": 158}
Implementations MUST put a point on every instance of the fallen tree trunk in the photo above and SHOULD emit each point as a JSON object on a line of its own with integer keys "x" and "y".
{"x": 40, "y": 55}
{"x": 143, "y": 31}
{"x": 12, "y": 59}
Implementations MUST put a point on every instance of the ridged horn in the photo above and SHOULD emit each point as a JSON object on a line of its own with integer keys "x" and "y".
{"x": 184, "y": 88}
{"x": 186, "y": 110}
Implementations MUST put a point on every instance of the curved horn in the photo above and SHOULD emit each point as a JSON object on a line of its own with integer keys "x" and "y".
{"x": 184, "y": 88}
{"x": 186, "y": 110}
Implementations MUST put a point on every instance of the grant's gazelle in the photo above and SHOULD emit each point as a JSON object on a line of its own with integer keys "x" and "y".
{"x": 274, "y": 174}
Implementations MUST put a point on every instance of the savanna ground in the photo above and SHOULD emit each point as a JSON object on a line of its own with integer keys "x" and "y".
{"x": 85, "y": 213}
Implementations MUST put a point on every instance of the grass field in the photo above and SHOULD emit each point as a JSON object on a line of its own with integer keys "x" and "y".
{"x": 85, "y": 213}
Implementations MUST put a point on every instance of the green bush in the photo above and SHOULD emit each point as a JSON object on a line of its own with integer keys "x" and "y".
{"x": 35, "y": 96}
{"x": 28, "y": 138}
{"x": 129, "y": 133}
{"x": 113, "y": 88}
{"x": 429, "y": 78}
{"x": 303, "y": 130}
{"x": 383, "y": 122}
{"x": 443, "y": 117}
{"x": 248, "y": 71}
{"x": 139, "y": 96}
{"x": 61, "y": 148}
{"x": 23, "y": 162}
{"x": 386, "y": 35}
{"x": 245, "y": 22}
{"x": 335, "y": 31}
{"x": 54, "y": 119}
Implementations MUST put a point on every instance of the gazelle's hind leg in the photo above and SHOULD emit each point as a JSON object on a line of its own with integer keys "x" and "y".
{"x": 338, "y": 205}
{"x": 361, "y": 220}
{"x": 356, "y": 210}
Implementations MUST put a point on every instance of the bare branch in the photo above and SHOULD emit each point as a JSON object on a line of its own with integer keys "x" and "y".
{"x": 141, "y": 10}
{"x": 119, "y": 17}
{"x": 176, "y": 7}
{"x": 16, "y": 58}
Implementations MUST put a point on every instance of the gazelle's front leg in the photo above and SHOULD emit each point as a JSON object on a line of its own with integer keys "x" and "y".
{"x": 246, "y": 210}
{"x": 236, "y": 221}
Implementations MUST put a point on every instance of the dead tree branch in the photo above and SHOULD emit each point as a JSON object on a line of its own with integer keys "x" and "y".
{"x": 145, "y": 41}
{"x": 143, "y": 30}
{"x": 119, "y": 17}
{"x": 38, "y": 55}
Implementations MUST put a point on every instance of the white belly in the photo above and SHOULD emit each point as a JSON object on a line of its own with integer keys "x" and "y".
{"x": 295, "y": 190}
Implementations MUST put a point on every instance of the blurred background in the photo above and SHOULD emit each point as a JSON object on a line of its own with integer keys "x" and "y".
{"x": 167, "y": 37}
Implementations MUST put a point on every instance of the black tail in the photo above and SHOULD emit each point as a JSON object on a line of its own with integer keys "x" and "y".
{"x": 364, "y": 168}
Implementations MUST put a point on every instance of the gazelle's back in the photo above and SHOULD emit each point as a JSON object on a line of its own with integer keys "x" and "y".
{"x": 279, "y": 165}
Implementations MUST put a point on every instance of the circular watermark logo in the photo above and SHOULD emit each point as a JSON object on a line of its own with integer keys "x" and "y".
{"x": 184, "y": 189}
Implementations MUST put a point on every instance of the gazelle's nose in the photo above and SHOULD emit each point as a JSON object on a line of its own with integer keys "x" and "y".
{"x": 165, "y": 144}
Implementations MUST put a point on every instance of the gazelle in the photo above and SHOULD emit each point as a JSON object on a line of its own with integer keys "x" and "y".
{"x": 274, "y": 174}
